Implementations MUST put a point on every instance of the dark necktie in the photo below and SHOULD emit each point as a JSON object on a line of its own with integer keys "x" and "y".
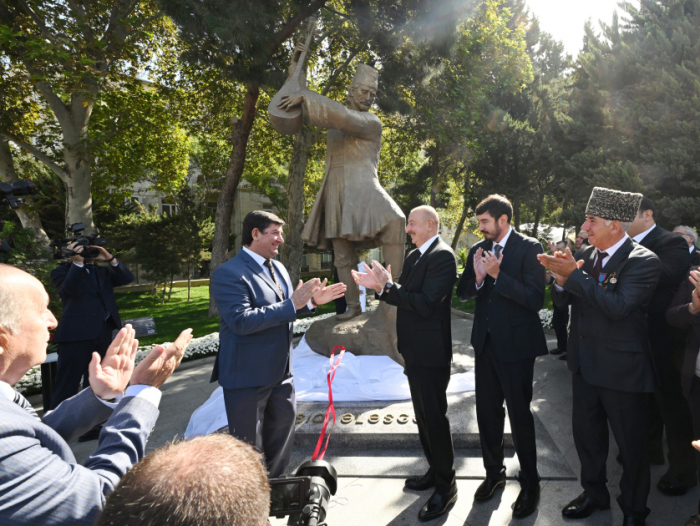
{"x": 598, "y": 267}
{"x": 24, "y": 404}
{"x": 268, "y": 264}
{"x": 497, "y": 250}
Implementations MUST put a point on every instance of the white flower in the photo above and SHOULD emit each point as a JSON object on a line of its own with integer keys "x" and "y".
{"x": 546, "y": 318}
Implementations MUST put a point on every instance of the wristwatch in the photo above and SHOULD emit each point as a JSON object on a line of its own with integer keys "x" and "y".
{"x": 388, "y": 286}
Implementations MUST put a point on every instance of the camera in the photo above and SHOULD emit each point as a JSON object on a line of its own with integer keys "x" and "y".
{"x": 74, "y": 232}
{"x": 304, "y": 497}
{"x": 10, "y": 191}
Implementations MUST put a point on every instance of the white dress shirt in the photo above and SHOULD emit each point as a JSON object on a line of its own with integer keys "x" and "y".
{"x": 638, "y": 238}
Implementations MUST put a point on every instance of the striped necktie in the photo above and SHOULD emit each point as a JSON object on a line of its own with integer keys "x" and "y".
{"x": 24, "y": 404}
{"x": 269, "y": 266}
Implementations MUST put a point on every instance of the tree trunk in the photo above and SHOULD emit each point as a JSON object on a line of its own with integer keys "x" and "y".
{"x": 293, "y": 247}
{"x": 538, "y": 216}
{"x": 434, "y": 175}
{"x": 516, "y": 186}
{"x": 28, "y": 218}
{"x": 460, "y": 225}
{"x": 165, "y": 286}
{"x": 170, "y": 292}
{"x": 79, "y": 192}
{"x": 189, "y": 281}
{"x": 224, "y": 205}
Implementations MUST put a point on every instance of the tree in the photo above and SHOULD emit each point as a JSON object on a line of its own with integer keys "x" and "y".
{"x": 73, "y": 52}
{"x": 249, "y": 41}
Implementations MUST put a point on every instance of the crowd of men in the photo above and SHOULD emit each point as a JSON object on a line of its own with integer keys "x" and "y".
{"x": 627, "y": 318}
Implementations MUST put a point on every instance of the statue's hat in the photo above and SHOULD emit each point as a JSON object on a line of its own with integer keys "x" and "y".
{"x": 366, "y": 75}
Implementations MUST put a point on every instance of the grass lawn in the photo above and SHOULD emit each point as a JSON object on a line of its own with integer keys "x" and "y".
{"x": 177, "y": 314}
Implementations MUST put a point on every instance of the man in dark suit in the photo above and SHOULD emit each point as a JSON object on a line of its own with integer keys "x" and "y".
{"x": 40, "y": 479}
{"x": 90, "y": 315}
{"x": 609, "y": 288}
{"x": 503, "y": 274}
{"x": 258, "y": 306}
{"x": 423, "y": 298}
{"x": 684, "y": 313}
{"x": 691, "y": 237}
{"x": 668, "y": 406}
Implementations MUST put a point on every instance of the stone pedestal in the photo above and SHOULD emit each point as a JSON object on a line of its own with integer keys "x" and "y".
{"x": 370, "y": 333}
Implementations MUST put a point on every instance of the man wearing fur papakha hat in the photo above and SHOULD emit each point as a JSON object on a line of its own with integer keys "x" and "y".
{"x": 609, "y": 288}
{"x": 352, "y": 210}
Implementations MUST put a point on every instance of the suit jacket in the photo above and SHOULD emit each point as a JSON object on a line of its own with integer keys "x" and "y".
{"x": 40, "y": 481}
{"x": 423, "y": 298}
{"x": 679, "y": 316}
{"x": 255, "y": 338}
{"x": 694, "y": 257}
{"x": 508, "y": 308}
{"x": 608, "y": 341}
{"x": 672, "y": 251}
{"x": 85, "y": 302}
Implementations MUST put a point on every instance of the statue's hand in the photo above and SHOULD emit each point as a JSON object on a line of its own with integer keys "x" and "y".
{"x": 288, "y": 102}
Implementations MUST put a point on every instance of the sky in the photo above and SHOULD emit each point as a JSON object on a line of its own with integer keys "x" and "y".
{"x": 564, "y": 19}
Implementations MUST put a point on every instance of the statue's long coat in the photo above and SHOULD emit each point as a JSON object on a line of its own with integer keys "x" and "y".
{"x": 351, "y": 203}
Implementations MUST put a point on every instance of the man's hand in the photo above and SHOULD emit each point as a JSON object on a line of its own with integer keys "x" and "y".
{"x": 325, "y": 294}
{"x": 562, "y": 265}
{"x": 694, "y": 305}
{"x": 696, "y": 444}
{"x": 381, "y": 274}
{"x": 109, "y": 376}
{"x": 77, "y": 258}
{"x": 492, "y": 264}
{"x": 298, "y": 50}
{"x": 160, "y": 363}
{"x": 479, "y": 269}
{"x": 304, "y": 292}
{"x": 366, "y": 279}
{"x": 104, "y": 255}
{"x": 287, "y": 102}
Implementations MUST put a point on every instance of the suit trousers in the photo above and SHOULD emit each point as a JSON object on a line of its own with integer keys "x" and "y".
{"x": 511, "y": 382}
{"x": 428, "y": 387}
{"x": 627, "y": 414}
{"x": 694, "y": 403}
{"x": 560, "y": 322}
{"x": 667, "y": 344}
{"x": 264, "y": 417}
{"x": 73, "y": 361}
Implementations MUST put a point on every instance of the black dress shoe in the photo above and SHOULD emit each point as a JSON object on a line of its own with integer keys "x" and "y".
{"x": 563, "y": 357}
{"x": 556, "y": 351}
{"x": 582, "y": 507}
{"x": 488, "y": 487}
{"x": 673, "y": 486}
{"x": 526, "y": 502}
{"x": 437, "y": 505}
{"x": 631, "y": 521}
{"x": 421, "y": 482}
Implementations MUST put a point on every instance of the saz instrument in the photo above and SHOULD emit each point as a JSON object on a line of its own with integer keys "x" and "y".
{"x": 291, "y": 121}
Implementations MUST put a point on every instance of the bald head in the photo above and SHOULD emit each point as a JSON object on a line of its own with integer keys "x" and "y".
{"x": 215, "y": 480}
{"x": 422, "y": 224}
{"x": 13, "y": 283}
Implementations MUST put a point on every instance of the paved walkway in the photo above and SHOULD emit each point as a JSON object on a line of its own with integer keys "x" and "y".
{"x": 383, "y": 501}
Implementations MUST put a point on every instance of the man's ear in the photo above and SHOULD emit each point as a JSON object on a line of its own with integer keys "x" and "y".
{"x": 254, "y": 232}
{"x": 4, "y": 338}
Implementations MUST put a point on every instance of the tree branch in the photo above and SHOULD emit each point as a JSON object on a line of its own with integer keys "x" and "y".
{"x": 55, "y": 102}
{"x": 336, "y": 72}
{"x": 293, "y": 23}
{"x": 41, "y": 156}
{"x": 39, "y": 22}
{"x": 79, "y": 14}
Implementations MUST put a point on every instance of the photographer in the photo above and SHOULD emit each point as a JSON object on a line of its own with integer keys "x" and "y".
{"x": 90, "y": 314}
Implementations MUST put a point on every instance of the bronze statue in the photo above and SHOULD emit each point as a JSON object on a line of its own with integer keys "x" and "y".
{"x": 352, "y": 210}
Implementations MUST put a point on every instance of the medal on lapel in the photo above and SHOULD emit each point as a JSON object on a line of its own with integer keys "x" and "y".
{"x": 601, "y": 279}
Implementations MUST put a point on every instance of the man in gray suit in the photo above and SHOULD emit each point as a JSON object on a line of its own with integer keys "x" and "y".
{"x": 40, "y": 480}
{"x": 258, "y": 306}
